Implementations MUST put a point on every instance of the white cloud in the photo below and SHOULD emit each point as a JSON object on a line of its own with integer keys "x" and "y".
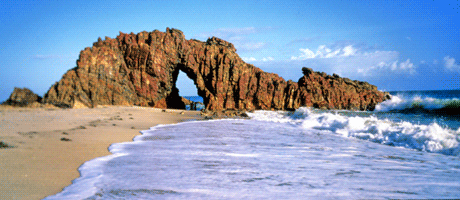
{"x": 395, "y": 66}
{"x": 324, "y": 52}
{"x": 249, "y": 59}
{"x": 405, "y": 66}
{"x": 408, "y": 66}
{"x": 350, "y": 61}
{"x": 252, "y": 59}
{"x": 269, "y": 58}
{"x": 306, "y": 54}
{"x": 349, "y": 51}
{"x": 450, "y": 64}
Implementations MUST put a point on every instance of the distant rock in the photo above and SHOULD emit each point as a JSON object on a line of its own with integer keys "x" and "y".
{"x": 142, "y": 69}
{"x": 65, "y": 139}
{"x": 23, "y": 97}
{"x": 196, "y": 106}
{"x": 207, "y": 114}
{"x": 320, "y": 90}
{"x": 186, "y": 101}
{"x": 4, "y": 145}
{"x": 192, "y": 105}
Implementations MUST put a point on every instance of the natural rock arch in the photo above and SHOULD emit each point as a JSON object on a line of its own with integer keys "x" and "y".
{"x": 141, "y": 69}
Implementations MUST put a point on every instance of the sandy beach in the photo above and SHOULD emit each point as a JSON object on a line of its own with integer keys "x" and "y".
{"x": 45, "y": 146}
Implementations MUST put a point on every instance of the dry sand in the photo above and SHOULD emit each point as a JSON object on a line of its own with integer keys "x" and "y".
{"x": 42, "y": 162}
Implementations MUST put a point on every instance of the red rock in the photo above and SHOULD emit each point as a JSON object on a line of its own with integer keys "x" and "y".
{"x": 141, "y": 69}
{"x": 22, "y": 97}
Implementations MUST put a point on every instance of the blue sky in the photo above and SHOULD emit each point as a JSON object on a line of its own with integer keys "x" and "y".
{"x": 394, "y": 44}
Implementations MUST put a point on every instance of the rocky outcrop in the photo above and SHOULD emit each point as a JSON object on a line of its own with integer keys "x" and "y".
{"x": 192, "y": 105}
{"x": 22, "y": 97}
{"x": 141, "y": 69}
{"x": 196, "y": 106}
{"x": 223, "y": 114}
{"x": 320, "y": 90}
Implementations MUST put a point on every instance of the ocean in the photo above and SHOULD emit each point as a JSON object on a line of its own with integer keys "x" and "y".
{"x": 408, "y": 148}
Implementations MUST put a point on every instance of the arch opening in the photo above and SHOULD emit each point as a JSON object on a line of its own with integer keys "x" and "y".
{"x": 187, "y": 89}
{"x": 185, "y": 85}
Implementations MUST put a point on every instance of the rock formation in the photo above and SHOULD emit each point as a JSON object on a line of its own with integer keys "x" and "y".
{"x": 22, "y": 97}
{"x": 141, "y": 69}
{"x": 320, "y": 90}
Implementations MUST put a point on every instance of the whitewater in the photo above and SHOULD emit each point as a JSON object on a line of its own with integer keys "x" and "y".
{"x": 403, "y": 149}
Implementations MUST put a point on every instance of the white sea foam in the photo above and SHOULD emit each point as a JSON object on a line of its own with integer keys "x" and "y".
{"x": 251, "y": 159}
{"x": 431, "y": 137}
{"x": 307, "y": 153}
{"x": 85, "y": 186}
{"x": 401, "y": 102}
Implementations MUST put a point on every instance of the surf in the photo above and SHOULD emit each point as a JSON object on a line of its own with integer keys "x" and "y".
{"x": 442, "y": 102}
{"x": 429, "y": 137}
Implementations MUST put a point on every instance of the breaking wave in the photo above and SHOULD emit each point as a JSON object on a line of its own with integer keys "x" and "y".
{"x": 429, "y": 137}
{"x": 413, "y": 104}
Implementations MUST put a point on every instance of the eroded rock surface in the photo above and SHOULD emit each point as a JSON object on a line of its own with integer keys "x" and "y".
{"x": 22, "y": 97}
{"x": 320, "y": 90}
{"x": 141, "y": 69}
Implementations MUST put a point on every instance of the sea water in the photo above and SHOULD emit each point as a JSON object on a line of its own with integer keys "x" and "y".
{"x": 195, "y": 99}
{"x": 305, "y": 154}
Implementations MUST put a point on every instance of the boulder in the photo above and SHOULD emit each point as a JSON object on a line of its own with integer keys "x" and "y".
{"x": 22, "y": 97}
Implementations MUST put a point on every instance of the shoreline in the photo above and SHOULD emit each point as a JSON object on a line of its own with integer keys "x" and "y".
{"x": 48, "y": 145}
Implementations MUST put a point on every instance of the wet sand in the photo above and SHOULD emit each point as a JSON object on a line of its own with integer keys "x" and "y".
{"x": 48, "y": 145}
